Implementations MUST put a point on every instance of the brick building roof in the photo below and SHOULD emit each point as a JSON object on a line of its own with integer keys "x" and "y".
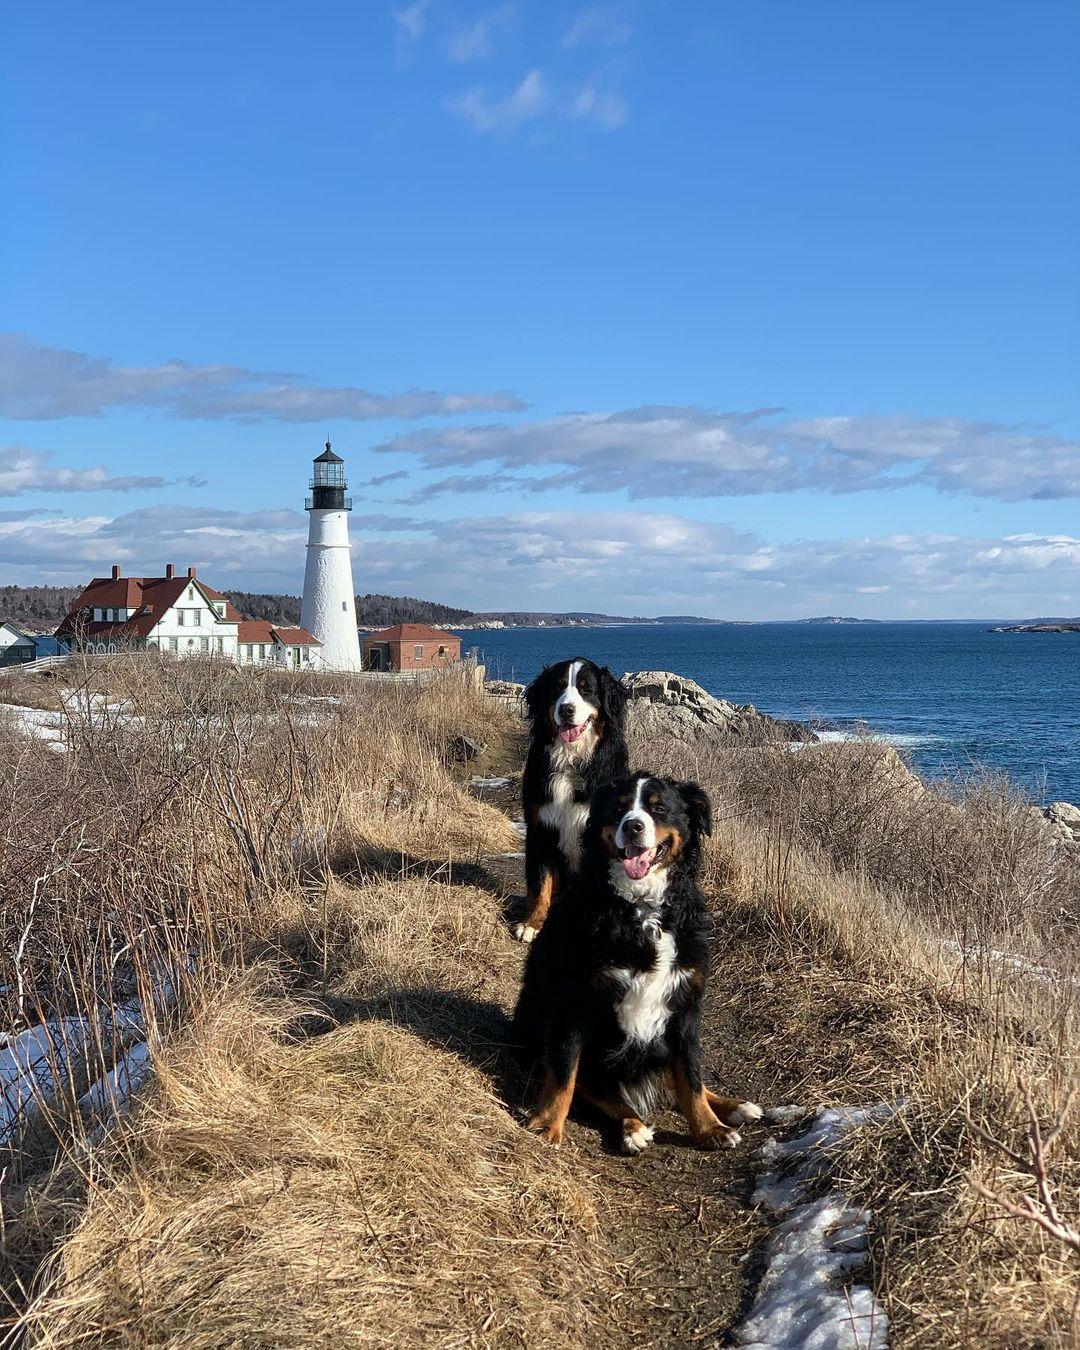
{"x": 413, "y": 632}
{"x": 262, "y": 630}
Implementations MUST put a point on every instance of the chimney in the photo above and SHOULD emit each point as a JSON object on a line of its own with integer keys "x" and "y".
{"x": 191, "y": 573}
{"x": 115, "y": 572}
{"x": 170, "y": 571}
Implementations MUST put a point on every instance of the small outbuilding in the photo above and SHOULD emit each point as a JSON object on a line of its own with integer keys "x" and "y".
{"x": 15, "y": 645}
{"x": 410, "y": 646}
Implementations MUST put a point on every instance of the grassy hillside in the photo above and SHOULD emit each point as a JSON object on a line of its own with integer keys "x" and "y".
{"x": 292, "y": 876}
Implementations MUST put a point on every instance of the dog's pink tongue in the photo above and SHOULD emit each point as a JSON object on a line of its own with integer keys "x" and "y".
{"x": 638, "y": 866}
{"x": 569, "y": 734}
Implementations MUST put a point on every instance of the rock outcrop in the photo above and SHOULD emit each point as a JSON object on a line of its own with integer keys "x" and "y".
{"x": 678, "y": 708}
{"x": 1062, "y": 820}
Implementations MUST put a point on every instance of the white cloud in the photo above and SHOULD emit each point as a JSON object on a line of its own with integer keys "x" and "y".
{"x": 608, "y": 25}
{"x": 411, "y": 21}
{"x": 525, "y": 103}
{"x": 670, "y": 452}
{"x": 620, "y": 562}
{"x": 476, "y": 40}
{"x": 39, "y": 382}
{"x": 607, "y": 109}
{"x": 597, "y": 101}
{"x": 23, "y": 470}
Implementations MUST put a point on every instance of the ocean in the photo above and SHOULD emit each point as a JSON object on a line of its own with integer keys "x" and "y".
{"x": 952, "y": 696}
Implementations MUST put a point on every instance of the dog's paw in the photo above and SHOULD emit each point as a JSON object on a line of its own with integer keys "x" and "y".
{"x": 551, "y": 1133}
{"x": 744, "y": 1114}
{"x": 637, "y": 1136}
{"x": 720, "y": 1137}
{"x": 522, "y": 932}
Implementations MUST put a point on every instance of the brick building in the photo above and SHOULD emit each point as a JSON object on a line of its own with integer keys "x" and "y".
{"x": 410, "y": 646}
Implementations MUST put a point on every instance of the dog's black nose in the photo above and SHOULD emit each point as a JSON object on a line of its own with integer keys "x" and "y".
{"x": 634, "y": 827}
{"x": 567, "y": 715}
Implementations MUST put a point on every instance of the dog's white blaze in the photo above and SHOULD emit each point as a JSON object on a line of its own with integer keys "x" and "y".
{"x": 647, "y": 839}
{"x": 645, "y": 1007}
{"x": 570, "y": 699}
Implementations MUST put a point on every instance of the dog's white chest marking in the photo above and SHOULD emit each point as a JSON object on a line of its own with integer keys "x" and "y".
{"x": 562, "y": 813}
{"x": 645, "y": 1006}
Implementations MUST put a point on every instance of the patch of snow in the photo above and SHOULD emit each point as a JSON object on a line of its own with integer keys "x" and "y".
{"x": 1023, "y": 964}
{"x": 509, "y": 855}
{"x": 35, "y": 1064}
{"x": 478, "y": 782}
{"x": 112, "y": 1094}
{"x": 37, "y": 723}
{"x": 519, "y": 827}
{"x": 802, "y": 1302}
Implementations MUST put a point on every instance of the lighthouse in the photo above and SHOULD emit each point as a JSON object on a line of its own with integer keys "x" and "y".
{"x": 328, "y": 609}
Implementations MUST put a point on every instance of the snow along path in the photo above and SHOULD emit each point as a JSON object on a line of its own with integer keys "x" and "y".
{"x": 802, "y": 1302}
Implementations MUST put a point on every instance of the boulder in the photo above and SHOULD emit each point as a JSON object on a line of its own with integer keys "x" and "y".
{"x": 465, "y": 749}
{"x": 673, "y": 706}
{"x": 1062, "y": 820}
{"x": 504, "y": 688}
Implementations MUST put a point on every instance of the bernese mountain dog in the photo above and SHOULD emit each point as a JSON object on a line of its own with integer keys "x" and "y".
{"x": 578, "y": 715}
{"x": 611, "y": 1000}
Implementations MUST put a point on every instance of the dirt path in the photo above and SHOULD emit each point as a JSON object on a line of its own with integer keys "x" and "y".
{"x": 678, "y": 1218}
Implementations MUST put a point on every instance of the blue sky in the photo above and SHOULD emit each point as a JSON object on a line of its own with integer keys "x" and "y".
{"x": 751, "y": 310}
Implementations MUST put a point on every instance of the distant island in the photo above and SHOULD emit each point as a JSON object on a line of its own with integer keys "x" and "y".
{"x": 1039, "y": 626}
{"x": 833, "y": 618}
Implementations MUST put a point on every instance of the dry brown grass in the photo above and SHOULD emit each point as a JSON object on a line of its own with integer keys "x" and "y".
{"x": 358, "y": 1187}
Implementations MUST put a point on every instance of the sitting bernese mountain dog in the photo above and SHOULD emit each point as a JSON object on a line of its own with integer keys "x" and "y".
{"x": 612, "y": 994}
{"x": 578, "y": 715}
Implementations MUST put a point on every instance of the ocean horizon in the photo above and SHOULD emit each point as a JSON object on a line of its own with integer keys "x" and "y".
{"x": 956, "y": 699}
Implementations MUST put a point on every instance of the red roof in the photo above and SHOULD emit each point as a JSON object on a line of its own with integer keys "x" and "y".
{"x": 413, "y": 632}
{"x": 262, "y": 630}
{"x": 296, "y": 637}
{"x": 255, "y": 630}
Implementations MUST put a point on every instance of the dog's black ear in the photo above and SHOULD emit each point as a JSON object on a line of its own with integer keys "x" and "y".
{"x": 537, "y": 696}
{"x": 615, "y": 697}
{"x": 698, "y": 806}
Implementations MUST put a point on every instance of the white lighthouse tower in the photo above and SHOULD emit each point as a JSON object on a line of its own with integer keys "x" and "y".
{"x": 328, "y": 609}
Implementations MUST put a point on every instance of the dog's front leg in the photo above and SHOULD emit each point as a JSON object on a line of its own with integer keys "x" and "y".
{"x": 540, "y": 884}
{"x": 560, "y": 1079}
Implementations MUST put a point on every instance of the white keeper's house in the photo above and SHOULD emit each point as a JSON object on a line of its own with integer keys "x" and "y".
{"x": 180, "y": 615}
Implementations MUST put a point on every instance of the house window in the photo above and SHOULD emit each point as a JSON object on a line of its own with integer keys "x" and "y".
{"x": 191, "y": 593}
{"x": 221, "y": 644}
{"x": 196, "y": 617}
{"x": 204, "y": 644}
{"x": 344, "y": 606}
{"x": 220, "y": 609}
{"x": 174, "y": 644}
{"x": 180, "y": 621}
{"x": 262, "y": 651}
{"x": 442, "y": 651}
{"x": 418, "y": 651}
